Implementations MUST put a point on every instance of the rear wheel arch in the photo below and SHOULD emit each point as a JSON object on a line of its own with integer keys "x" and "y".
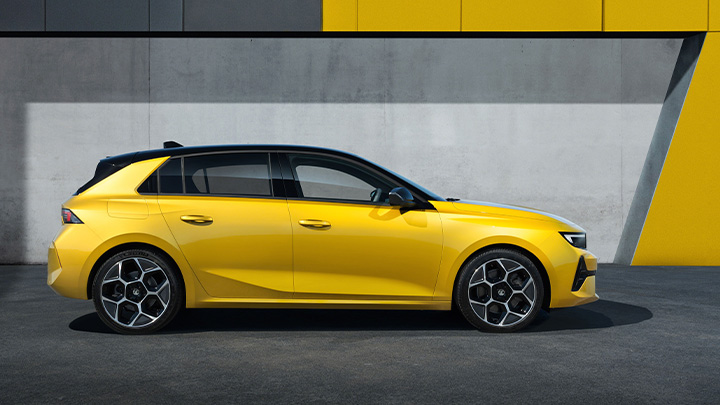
{"x": 518, "y": 249}
{"x": 128, "y": 246}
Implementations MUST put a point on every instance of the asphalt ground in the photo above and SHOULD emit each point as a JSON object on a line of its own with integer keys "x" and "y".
{"x": 654, "y": 337}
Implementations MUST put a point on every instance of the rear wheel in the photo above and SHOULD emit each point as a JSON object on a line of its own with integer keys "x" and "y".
{"x": 137, "y": 291}
{"x": 499, "y": 291}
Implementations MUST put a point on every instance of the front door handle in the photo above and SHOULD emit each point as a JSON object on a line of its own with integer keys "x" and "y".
{"x": 197, "y": 219}
{"x": 314, "y": 223}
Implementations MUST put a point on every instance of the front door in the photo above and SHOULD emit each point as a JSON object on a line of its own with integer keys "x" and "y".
{"x": 349, "y": 243}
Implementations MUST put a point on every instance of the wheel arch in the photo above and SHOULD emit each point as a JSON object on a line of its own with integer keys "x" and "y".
{"x": 530, "y": 255}
{"x": 128, "y": 246}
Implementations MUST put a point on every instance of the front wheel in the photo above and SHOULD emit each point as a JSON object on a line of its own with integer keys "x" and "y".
{"x": 137, "y": 291}
{"x": 499, "y": 291}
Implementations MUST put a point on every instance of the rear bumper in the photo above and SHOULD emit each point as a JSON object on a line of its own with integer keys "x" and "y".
{"x": 67, "y": 261}
{"x": 59, "y": 280}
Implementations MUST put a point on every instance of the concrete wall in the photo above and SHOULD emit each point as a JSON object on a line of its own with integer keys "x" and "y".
{"x": 556, "y": 124}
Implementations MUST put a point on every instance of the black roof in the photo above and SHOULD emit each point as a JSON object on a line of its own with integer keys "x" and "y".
{"x": 139, "y": 156}
{"x": 111, "y": 164}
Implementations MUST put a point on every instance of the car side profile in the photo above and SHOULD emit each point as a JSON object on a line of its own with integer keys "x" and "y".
{"x": 275, "y": 226}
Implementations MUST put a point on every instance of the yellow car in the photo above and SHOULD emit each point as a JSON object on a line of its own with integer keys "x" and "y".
{"x": 271, "y": 226}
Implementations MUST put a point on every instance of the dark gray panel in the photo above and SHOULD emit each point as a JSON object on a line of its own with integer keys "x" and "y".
{"x": 385, "y": 70}
{"x": 97, "y": 15}
{"x": 166, "y": 15}
{"x": 647, "y": 65}
{"x": 22, "y": 15}
{"x": 253, "y": 15}
{"x": 655, "y": 159}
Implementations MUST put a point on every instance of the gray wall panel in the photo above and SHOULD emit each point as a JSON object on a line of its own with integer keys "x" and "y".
{"x": 22, "y": 15}
{"x": 96, "y": 15}
{"x": 253, "y": 15}
{"x": 166, "y": 15}
{"x": 499, "y": 120}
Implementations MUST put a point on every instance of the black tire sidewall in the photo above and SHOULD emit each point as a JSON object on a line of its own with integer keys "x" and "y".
{"x": 177, "y": 293}
{"x": 463, "y": 301}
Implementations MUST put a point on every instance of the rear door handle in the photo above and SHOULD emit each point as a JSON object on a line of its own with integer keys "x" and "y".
{"x": 197, "y": 219}
{"x": 314, "y": 223}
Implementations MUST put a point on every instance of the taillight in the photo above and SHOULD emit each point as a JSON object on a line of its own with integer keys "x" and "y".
{"x": 69, "y": 218}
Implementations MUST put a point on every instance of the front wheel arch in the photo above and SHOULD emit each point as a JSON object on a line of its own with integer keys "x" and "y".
{"x": 518, "y": 249}
{"x": 128, "y": 246}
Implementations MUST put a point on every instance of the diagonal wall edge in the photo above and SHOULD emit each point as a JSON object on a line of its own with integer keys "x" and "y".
{"x": 659, "y": 146}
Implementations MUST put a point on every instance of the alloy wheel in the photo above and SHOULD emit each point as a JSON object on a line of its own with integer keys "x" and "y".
{"x": 135, "y": 292}
{"x": 502, "y": 292}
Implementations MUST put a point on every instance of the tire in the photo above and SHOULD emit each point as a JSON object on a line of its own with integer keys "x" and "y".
{"x": 137, "y": 291}
{"x": 499, "y": 291}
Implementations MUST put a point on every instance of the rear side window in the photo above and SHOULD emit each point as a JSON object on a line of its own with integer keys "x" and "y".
{"x": 216, "y": 174}
{"x": 228, "y": 174}
{"x": 171, "y": 177}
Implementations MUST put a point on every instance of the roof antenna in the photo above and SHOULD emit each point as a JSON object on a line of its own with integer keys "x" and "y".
{"x": 171, "y": 144}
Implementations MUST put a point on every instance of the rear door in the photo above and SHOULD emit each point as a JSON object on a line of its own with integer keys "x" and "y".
{"x": 232, "y": 229}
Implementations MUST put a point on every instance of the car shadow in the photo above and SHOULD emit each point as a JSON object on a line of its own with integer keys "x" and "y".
{"x": 600, "y": 314}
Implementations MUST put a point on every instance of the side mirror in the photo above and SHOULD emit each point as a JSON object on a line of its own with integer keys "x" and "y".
{"x": 401, "y": 197}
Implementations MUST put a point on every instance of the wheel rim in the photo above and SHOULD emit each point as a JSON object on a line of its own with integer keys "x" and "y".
{"x": 502, "y": 292}
{"x": 135, "y": 292}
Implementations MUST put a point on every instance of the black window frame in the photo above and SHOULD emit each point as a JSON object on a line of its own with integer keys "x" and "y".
{"x": 274, "y": 176}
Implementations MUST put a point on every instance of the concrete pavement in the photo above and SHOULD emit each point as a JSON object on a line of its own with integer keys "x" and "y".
{"x": 653, "y": 337}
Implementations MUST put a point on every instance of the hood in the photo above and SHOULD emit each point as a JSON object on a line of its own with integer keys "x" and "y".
{"x": 481, "y": 207}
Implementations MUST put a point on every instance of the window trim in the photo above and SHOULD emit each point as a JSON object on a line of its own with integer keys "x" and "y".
{"x": 274, "y": 194}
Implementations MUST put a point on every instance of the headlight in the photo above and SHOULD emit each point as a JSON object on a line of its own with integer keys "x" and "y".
{"x": 576, "y": 239}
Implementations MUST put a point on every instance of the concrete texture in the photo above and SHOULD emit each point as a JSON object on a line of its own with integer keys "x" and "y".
{"x": 556, "y": 124}
{"x": 651, "y": 338}
{"x": 664, "y": 131}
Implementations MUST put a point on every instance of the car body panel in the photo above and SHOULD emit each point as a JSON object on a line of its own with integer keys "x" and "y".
{"x": 246, "y": 252}
{"x": 469, "y": 228}
{"x": 275, "y": 262}
{"x": 370, "y": 251}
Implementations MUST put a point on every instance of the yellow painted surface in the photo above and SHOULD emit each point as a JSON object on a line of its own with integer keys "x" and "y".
{"x": 256, "y": 253}
{"x": 340, "y": 15}
{"x": 409, "y": 15}
{"x": 532, "y": 15}
{"x": 367, "y": 250}
{"x": 714, "y": 15}
{"x": 468, "y": 228}
{"x": 684, "y": 217}
{"x": 245, "y": 252}
{"x": 656, "y": 15}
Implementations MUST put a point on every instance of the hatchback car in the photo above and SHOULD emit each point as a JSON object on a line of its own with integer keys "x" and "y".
{"x": 268, "y": 226}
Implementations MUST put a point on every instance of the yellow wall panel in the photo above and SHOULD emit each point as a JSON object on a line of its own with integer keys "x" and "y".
{"x": 340, "y": 15}
{"x": 532, "y": 15}
{"x": 409, "y": 15}
{"x": 656, "y": 15}
{"x": 714, "y": 15}
{"x": 683, "y": 223}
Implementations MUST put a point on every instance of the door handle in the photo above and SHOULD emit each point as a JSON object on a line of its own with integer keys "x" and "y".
{"x": 197, "y": 219}
{"x": 314, "y": 223}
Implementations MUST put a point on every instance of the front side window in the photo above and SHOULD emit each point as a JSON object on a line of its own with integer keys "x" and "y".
{"x": 323, "y": 177}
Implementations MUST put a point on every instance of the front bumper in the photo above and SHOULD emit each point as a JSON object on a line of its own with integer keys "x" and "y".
{"x": 576, "y": 284}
